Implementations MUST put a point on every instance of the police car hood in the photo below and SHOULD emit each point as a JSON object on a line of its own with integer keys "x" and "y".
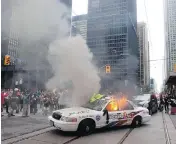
{"x": 74, "y": 111}
{"x": 140, "y": 109}
{"x": 143, "y": 102}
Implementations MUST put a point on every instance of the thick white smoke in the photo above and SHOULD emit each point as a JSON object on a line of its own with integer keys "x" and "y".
{"x": 42, "y": 28}
{"x": 74, "y": 65}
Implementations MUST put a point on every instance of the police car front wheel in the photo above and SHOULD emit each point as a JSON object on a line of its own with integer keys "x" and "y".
{"x": 86, "y": 127}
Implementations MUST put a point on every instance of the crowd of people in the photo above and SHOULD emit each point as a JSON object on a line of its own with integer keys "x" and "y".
{"x": 166, "y": 100}
{"x": 27, "y": 101}
{"x": 16, "y": 100}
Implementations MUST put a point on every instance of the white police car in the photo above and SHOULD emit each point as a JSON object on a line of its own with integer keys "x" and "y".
{"x": 104, "y": 112}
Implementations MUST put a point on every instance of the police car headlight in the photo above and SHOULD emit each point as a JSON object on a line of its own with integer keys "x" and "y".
{"x": 146, "y": 105}
{"x": 68, "y": 119}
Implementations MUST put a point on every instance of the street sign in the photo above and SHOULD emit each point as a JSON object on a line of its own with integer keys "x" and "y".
{"x": 21, "y": 81}
{"x": 16, "y": 83}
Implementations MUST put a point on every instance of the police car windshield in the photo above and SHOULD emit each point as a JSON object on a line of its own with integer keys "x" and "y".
{"x": 142, "y": 97}
{"x": 97, "y": 105}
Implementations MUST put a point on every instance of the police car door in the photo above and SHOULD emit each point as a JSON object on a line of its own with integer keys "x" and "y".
{"x": 113, "y": 114}
{"x": 125, "y": 114}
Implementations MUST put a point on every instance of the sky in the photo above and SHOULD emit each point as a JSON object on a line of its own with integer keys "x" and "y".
{"x": 151, "y": 12}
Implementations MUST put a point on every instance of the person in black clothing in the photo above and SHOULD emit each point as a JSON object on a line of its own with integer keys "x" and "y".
{"x": 161, "y": 102}
{"x": 166, "y": 104}
{"x": 34, "y": 105}
{"x": 21, "y": 102}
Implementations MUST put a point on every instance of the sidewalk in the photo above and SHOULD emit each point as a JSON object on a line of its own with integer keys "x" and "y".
{"x": 154, "y": 131}
{"x": 173, "y": 118}
{"x": 18, "y": 125}
{"x": 171, "y": 128}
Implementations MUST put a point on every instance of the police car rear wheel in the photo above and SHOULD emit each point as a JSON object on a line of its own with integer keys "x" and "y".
{"x": 137, "y": 122}
{"x": 86, "y": 127}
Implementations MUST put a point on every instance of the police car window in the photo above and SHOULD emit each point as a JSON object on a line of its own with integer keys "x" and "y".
{"x": 126, "y": 106}
{"x": 112, "y": 106}
{"x": 97, "y": 105}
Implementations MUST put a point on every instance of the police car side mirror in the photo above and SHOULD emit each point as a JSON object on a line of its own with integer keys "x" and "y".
{"x": 105, "y": 111}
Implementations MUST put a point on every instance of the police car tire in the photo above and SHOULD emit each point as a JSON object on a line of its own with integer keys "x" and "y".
{"x": 137, "y": 122}
{"x": 86, "y": 127}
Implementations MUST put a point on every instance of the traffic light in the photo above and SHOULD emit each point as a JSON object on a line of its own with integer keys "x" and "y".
{"x": 108, "y": 69}
{"x": 7, "y": 60}
{"x": 174, "y": 67}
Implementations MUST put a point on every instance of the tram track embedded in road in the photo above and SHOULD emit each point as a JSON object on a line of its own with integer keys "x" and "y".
{"x": 125, "y": 136}
{"x": 73, "y": 139}
{"x": 119, "y": 142}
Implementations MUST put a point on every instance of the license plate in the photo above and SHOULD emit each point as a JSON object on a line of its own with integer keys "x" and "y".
{"x": 51, "y": 123}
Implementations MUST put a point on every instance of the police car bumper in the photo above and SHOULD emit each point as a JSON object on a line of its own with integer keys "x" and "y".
{"x": 63, "y": 126}
{"x": 146, "y": 118}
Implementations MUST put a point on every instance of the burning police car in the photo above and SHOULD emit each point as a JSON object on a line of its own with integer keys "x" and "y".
{"x": 99, "y": 113}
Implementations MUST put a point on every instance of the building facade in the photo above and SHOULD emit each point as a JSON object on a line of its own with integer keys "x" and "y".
{"x": 9, "y": 46}
{"x": 170, "y": 36}
{"x": 12, "y": 75}
{"x": 112, "y": 38}
{"x": 79, "y": 26}
{"x": 144, "y": 63}
{"x": 68, "y": 4}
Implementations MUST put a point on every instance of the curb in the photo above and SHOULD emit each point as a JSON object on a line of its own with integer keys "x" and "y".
{"x": 26, "y": 136}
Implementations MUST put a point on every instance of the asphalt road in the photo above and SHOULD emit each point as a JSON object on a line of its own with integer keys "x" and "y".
{"x": 17, "y": 125}
{"x": 150, "y": 133}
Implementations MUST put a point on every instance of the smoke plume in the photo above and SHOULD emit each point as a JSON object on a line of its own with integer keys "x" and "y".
{"x": 74, "y": 64}
{"x": 42, "y": 29}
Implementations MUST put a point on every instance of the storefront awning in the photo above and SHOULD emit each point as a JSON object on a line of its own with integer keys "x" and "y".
{"x": 171, "y": 79}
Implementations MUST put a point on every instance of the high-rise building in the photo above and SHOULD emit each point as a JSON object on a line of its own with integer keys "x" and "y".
{"x": 144, "y": 63}
{"x": 153, "y": 85}
{"x": 68, "y": 4}
{"x": 170, "y": 36}
{"x": 79, "y": 26}
{"x": 10, "y": 46}
{"x": 112, "y": 37}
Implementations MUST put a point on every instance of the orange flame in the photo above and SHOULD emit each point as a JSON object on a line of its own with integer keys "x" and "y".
{"x": 116, "y": 104}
